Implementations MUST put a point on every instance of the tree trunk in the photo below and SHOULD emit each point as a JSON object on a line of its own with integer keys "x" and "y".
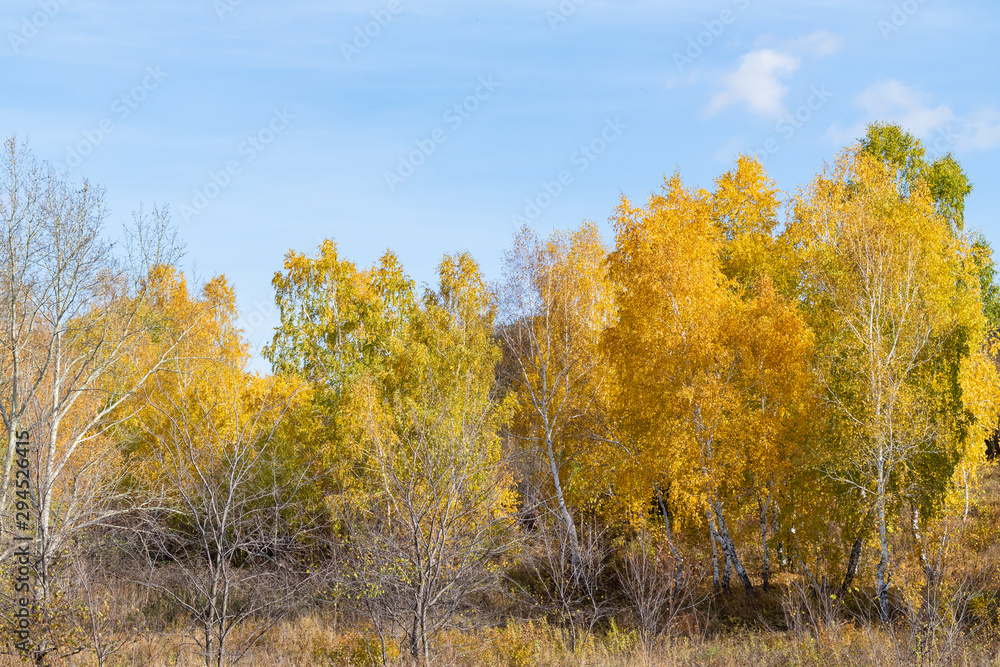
{"x": 210, "y": 648}
{"x": 727, "y": 572}
{"x": 8, "y": 459}
{"x": 44, "y": 491}
{"x": 715, "y": 555}
{"x": 882, "y": 570}
{"x": 414, "y": 642}
{"x": 670, "y": 542}
{"x": 765, "y": 572}
{"x": 574, "y": 542}
{"x": 965, "y": 485}
{"x": 728, "y": 548}
{"x": 14, "y": 418}
{"x": 852, "y": 566}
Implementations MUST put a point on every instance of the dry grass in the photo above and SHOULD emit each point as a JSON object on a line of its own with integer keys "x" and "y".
{"x": 313, "y": 640}
{"x": 791, "y": 625}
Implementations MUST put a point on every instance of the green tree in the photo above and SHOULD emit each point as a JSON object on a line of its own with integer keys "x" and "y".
{"x": 338, "y": 325}
{"x": 946, "y": 180}
{"x": 892, "y": 294}
{"x": 437, "y": 511}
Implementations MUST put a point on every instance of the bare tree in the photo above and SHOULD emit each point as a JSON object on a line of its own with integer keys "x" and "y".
{"x": 229, "y": 548}
{"x": 430, "y": 538}
{"x": 658, "y": 588}
{"x": 572, "y": 590}
{"x": 72, "y": 309}
{"x": 108, "y": 607}
{"x": 74, "y": 313}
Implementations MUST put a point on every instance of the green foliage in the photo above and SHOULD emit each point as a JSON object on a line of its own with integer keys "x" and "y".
{"x": 982, "y": 255}
{"x": 945, "y": 178}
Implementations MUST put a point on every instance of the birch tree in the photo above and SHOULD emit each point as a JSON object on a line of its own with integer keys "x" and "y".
{"x": 75, "y": 312}
{"x": 554, "y": 304}
{"x": 894, "y": 296}
{"x": 709, "y": 376}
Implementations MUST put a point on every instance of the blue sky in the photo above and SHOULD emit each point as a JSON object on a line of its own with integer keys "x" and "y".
{"x": 430, "y": 126}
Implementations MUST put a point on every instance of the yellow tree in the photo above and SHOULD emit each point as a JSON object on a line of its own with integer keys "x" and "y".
{"x": 746, "y": 205}
{"x": 554, "y": 304}
{"x": 745, "y": 208}
{"x": 893, "y": 295}
{"x": 209, "y": 320}
{"x": 708, "y": 378}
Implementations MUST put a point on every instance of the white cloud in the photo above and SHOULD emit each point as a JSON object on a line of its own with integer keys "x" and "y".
{"x": 756, "y": 82}
{"x": 916, "y": 111}
{"x": 910, "y": 107}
